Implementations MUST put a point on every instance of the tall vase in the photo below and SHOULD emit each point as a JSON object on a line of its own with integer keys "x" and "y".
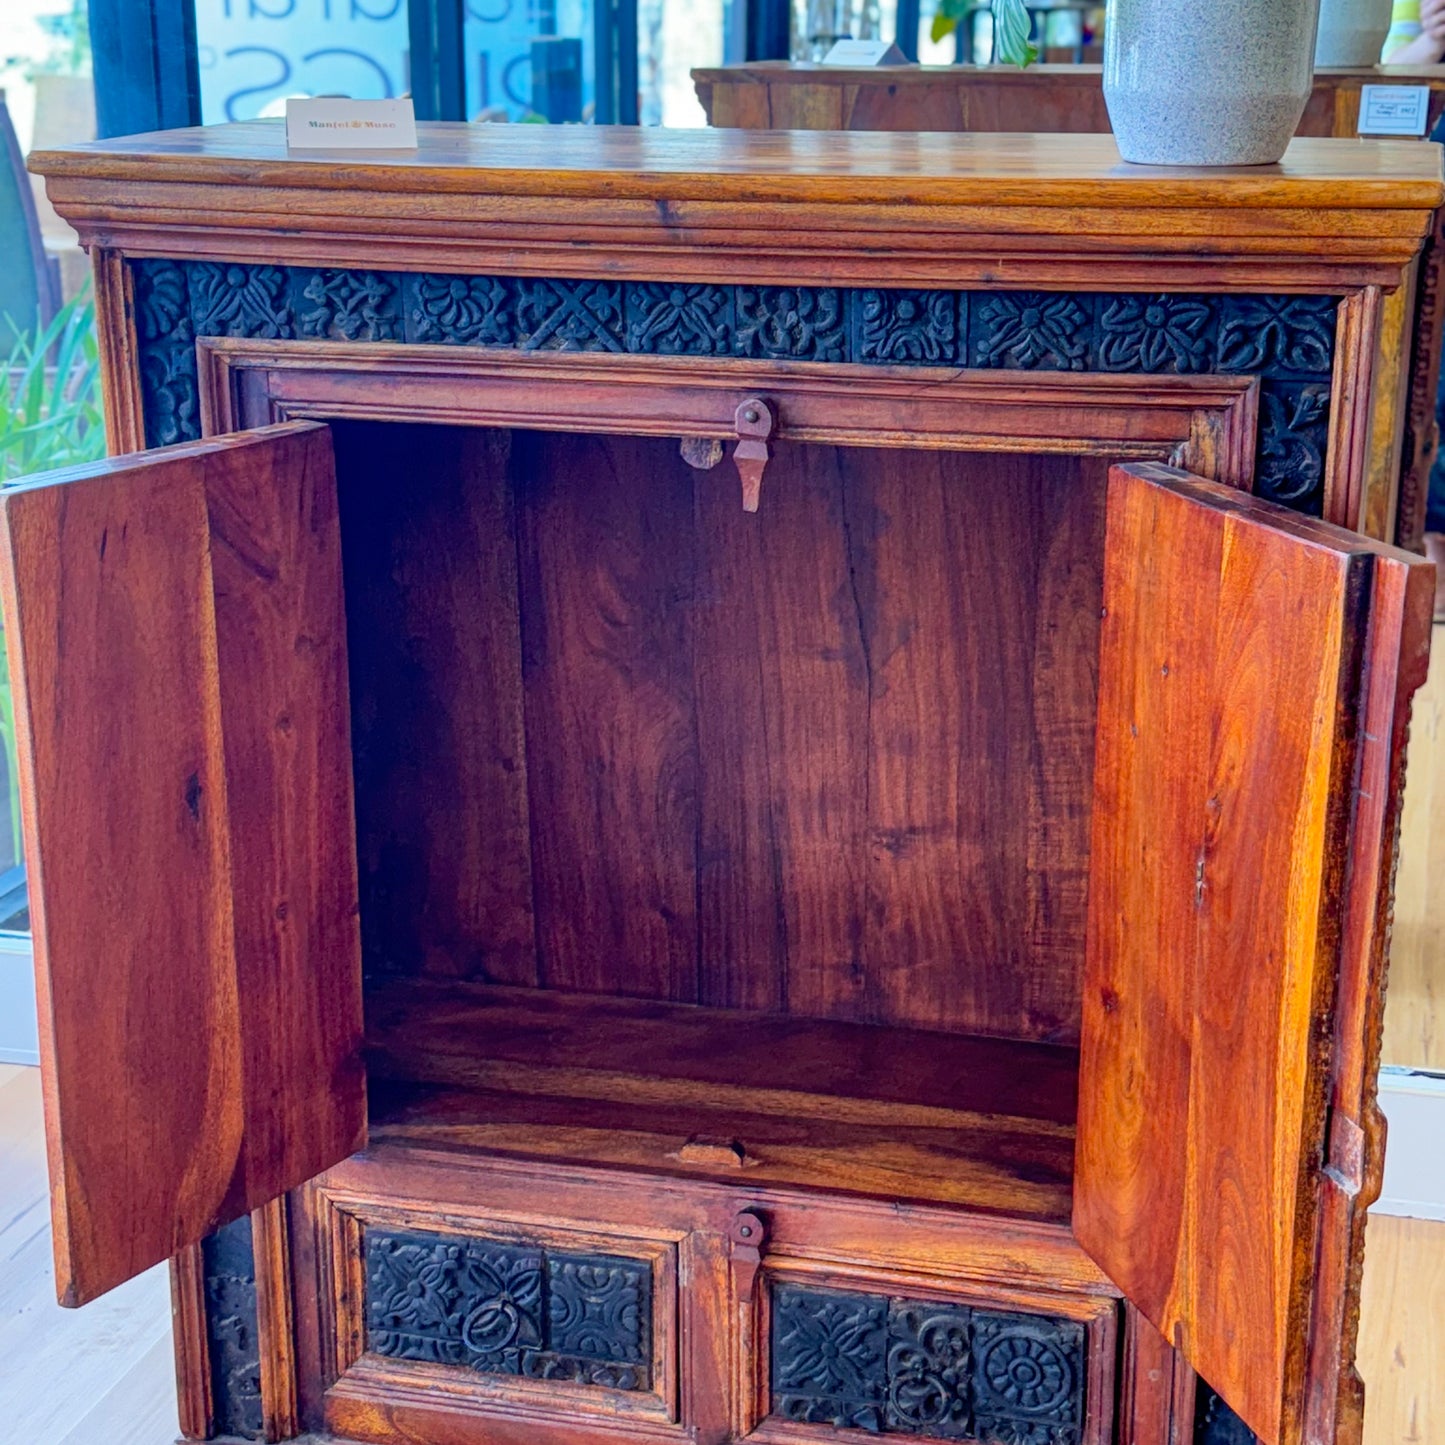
{"x": 1352, "y": 32}
{"x": 1207, "y": 82}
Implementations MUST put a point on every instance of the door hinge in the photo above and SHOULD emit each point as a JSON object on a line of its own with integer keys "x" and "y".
{"x": 1344, "y": 1152}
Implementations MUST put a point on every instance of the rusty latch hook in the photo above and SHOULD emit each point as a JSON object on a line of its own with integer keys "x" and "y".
{"x": 755, "y": 424}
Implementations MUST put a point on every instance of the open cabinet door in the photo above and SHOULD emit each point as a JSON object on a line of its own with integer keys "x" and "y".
{"x": 1255, "y": 669}
{"x": 177, "y": 647}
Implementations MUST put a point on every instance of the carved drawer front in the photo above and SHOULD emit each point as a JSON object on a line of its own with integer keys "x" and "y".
{"x": 508, "y": 1309}
{"x": 449, "y": 1325}
{"x": 1019, "y": 1370}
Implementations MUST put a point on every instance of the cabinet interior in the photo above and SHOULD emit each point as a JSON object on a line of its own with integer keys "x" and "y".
{"x": 699, "y": 842}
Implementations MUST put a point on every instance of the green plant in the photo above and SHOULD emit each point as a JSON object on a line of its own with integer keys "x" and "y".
{"x": 1012, "y": 26}
{"x": 50, "y": 394}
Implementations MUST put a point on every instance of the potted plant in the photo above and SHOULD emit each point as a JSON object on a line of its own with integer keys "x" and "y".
{"x": 1012, "y": 26}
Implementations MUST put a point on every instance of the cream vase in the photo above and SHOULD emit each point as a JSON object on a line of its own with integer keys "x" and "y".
{"x": 1207, "y": 82}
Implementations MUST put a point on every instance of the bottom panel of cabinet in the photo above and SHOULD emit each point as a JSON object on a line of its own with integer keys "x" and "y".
{"x": 470, "y": 1300}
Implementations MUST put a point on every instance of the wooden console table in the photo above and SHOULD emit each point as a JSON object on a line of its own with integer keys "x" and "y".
{"x": 782, "y": 95}
{"x": 718, "y": 785}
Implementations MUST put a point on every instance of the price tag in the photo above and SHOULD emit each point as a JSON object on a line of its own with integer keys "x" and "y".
{"x": 352, "y": 125}
{"x": 864, "y": 53}
{"x": 1394, "y": 109}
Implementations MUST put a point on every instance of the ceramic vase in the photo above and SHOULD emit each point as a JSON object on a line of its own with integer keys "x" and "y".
{"x": 1352, "y": 32}
{"x": 1207, "y": 82}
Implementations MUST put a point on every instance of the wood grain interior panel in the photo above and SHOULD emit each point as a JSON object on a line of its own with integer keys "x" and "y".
{"x": 752, "y": 1099}
{"x": 790, "y": 761}
{"x": 429, "y": 549}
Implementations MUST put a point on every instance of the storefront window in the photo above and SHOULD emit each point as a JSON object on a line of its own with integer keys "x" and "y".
{"x": 255, "y": 53}
{"x": 49, "y": 384}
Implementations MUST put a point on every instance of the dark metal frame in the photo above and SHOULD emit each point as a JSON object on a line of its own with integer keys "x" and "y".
{"x": 147, "y": 70}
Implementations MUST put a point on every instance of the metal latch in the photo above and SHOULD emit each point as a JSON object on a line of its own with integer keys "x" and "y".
{"x": 755, "y": 424}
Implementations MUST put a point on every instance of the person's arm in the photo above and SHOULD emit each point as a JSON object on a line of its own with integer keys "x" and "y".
{"x": 1427, "y": 47}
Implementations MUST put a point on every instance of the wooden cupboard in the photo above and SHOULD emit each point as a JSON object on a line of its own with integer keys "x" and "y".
{"x": 677, "y": 792}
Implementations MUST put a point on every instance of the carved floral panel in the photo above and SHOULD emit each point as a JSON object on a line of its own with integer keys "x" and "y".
{"x": 857, "y": 1361}
{"x": 1288, "y": 341}
{"x": 509, "y": 1309}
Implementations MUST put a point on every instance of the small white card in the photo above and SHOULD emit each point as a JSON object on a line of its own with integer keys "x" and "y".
{"x": 1394, "y": 109}
{"x": 352, "y": 125}
{"x": 864, "y": 52}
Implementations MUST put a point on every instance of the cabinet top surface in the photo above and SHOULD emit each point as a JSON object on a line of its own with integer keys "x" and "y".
{"x": 633, "y": 163}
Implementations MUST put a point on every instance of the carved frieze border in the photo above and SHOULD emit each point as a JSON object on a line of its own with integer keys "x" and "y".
{"x": 1288, "y": 341}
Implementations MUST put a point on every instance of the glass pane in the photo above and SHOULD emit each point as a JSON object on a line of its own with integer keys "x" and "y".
{"x": 817, "y": 24}
{"x": 256, "y": 53}
{"x": 1066, "y": 31}
{"x": 530, "y": 60}
{"x": 49, "y": 383}
{"x": 673, "y": 38}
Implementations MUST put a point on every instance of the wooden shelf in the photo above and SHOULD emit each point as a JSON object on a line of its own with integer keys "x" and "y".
{"x": 980, "y": 1123}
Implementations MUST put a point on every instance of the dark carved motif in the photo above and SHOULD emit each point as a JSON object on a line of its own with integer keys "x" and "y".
{"x": 1215, "y": 1423}
{"x": 827, "y": 1356}
{"x": 1293, "y": 438}
{"x": 460, "y": 310}
{"x": 167, "y": 352}
{"x": 509, "y": 1309}
{"x": 928, "y": 1369}
{"x": 1287, "y": 340}
{"x": 792, "y": 323}
{"x": 349, "y": 306}
{"x": 863, "y": 1362}
{"x": 918, "y": 327}
{"x": 233, "y": 300}
{"x": 1028, "y": 1379}
{"x": 1033, "y": 330}
{"x": 1156, "y": 334}
{"x": 598, "y": 1308}
{"x": 232, "y": 1340}
{"x": 677, "y": 319}
{"x": 569, "y": 315}
{"x": 1277, "y": 333}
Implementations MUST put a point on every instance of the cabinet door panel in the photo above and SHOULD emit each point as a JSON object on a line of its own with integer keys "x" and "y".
{"x": 177, "y": 646}
{"x": 1239, "y": 647}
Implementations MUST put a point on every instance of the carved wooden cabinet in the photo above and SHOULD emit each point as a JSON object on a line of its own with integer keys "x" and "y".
{"x": 718, "y": 786}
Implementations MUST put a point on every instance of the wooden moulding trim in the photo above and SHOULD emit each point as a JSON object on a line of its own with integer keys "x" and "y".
{"x": 1205, "y": 424}
{"x": 1347, "y": 456}
{"x": 193, "y": 1357}
{"x": 115, "y": 334}
{"x": 275, "y": 1328}
{"x": 372, "y": 1404}
{"x": 1156, "y": 1402}
{"x": 789, "y": 255}
{"x": 847, "y": 1233}
{"x": 1390, "y": 396}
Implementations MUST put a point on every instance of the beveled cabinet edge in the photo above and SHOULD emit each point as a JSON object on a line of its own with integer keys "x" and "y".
{"x": 1206, "y": 424}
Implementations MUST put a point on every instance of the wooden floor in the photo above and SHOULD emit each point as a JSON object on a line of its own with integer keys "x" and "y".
{"x": 1415, "y": 1011}
{"x": 99, "y": 1376}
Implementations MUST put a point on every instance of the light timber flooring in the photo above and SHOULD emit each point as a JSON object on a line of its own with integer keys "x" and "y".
{"x": 103, "y": 1375}
{"x": 99, "y": 1376}
{"x": 1415, "y": 1004}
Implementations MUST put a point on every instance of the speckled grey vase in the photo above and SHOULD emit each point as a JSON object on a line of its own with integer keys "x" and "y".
{"x": 1352, "y": 32}
{"x": 1207, "y": 82}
